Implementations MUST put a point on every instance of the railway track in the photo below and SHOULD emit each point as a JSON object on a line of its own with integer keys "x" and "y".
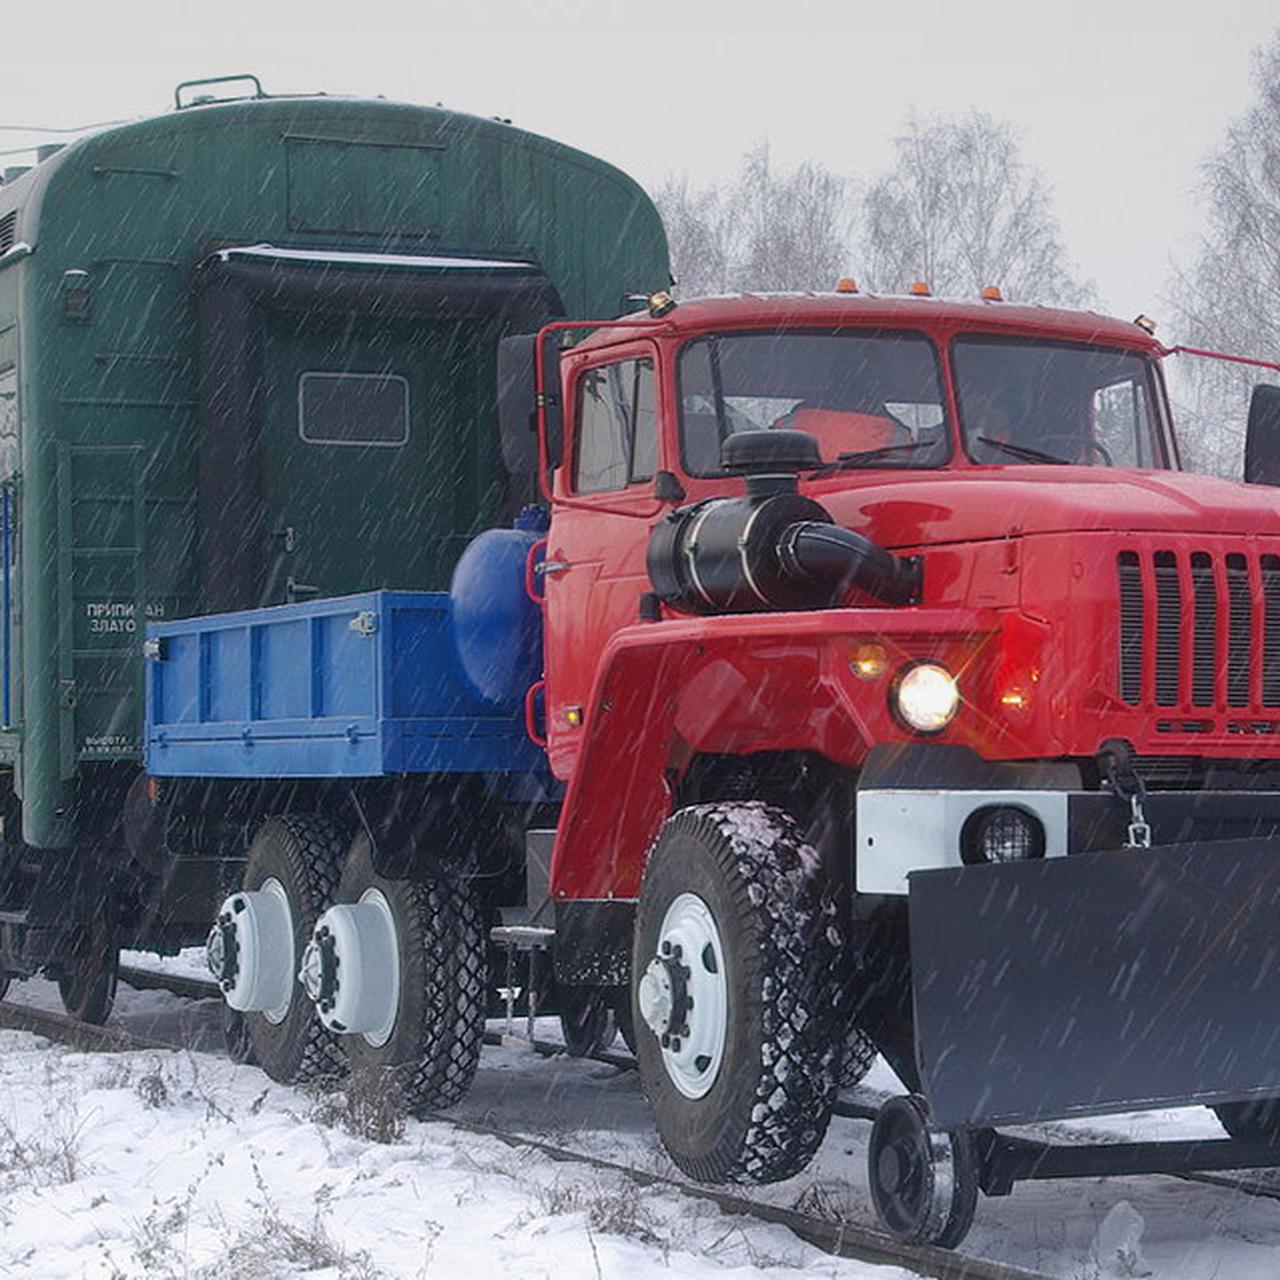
{"x": 838, "y": 1237}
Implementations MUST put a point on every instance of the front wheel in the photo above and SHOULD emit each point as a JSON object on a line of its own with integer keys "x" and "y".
{"x": 735, "y": 993}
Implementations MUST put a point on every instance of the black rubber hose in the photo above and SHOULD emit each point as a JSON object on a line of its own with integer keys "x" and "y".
{"x": 829, "y": 553}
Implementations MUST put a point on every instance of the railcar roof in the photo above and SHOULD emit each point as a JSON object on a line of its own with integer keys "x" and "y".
{"x": 866, "y": 310}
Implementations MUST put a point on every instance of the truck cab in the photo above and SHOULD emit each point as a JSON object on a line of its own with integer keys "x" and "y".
{"x": 917, "y": 586}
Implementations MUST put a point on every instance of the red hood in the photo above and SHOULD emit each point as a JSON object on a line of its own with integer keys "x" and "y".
{"x": 923, "y": 508}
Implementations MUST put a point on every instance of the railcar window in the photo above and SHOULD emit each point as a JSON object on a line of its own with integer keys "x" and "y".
{"x": 869, "y": 399}
{"x": 616, "y": 440}
{"x": 8, "y": 422}
{"x": 363, "y": 409}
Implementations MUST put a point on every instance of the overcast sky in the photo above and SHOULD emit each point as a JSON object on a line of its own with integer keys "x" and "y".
{"x": 1117, "y": 103}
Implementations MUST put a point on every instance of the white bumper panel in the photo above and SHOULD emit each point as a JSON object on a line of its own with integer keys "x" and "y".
{"x": 913, "y": 830}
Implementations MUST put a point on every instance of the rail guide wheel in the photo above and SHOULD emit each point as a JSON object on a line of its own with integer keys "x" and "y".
{"x": 924, "y": 1181}
{"x": 588, "y": 1023}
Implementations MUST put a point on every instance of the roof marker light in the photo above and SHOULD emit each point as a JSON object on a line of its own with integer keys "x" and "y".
{"x": 1145, "y": 322}
{"x": 919, "y": 289}
{"x": 661, "y": 304}
{"x": 991, "y": 293}
{"x": 846, "y": 284}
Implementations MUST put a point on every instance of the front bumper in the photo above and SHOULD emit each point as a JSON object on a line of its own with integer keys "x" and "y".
{"x": 902, "y": 830}
{"x": 1101, "y": 982}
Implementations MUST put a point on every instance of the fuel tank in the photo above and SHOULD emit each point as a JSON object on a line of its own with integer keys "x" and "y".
{"x": 497, "y": 627}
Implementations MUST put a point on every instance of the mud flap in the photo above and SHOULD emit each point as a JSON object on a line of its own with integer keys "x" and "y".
{"x": 1098, "y": 982}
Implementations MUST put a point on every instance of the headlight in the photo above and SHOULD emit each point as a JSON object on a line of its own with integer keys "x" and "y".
{"x": 925, "y": 697}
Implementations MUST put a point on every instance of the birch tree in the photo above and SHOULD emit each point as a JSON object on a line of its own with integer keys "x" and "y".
{"x": 1228, "y": 297}
{"x": 960, "y": 209}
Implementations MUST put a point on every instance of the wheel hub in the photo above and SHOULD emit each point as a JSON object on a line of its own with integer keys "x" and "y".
{"x": 250, "y": 951}
{"x": 663, "y": 996}
{"x": 319, "y": 972}
{"x": 351, "y": 968}
{"x": 683, "y": 996}
{"x": 222, "y": 952}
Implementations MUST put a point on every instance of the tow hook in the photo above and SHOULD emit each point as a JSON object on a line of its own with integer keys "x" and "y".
{"x": 1115, "y": 759}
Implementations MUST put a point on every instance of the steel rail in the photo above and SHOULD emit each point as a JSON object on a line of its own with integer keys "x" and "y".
{"x": 837, "y": 1237}
{"x": 863, "y": 1105}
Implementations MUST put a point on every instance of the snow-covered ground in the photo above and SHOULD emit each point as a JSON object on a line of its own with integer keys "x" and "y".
{"x": 185, "y": 1165}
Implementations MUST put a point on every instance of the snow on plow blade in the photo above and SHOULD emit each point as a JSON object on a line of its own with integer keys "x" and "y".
{"x": 1098, "y": 982}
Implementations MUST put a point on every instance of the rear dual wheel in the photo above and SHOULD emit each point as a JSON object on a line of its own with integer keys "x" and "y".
{"x": 411, "y": 996}
{"x": 295, "y": 861}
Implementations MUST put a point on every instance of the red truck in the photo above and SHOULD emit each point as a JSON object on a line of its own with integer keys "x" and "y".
{"x": 861, "y": 615}
{"x": 900, "y": 693}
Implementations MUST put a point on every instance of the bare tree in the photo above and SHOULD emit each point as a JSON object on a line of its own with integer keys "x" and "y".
{"x": 764, "y": 230}
{"x": 960, "y": 210}
{"x": 697, "y": 221}
{"x": 1229, "y": 297}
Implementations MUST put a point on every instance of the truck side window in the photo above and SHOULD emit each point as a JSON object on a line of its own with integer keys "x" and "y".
{"x": 8, "y": 423}
{"x": 616, "y": 439}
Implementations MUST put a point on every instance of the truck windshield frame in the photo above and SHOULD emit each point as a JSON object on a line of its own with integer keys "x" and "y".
{"x": 892, "y": 412}
{"x": 1045, "y": 401}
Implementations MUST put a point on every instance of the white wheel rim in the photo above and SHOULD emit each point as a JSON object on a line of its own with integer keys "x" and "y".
{"x": 364, "y": 995}
{"x": 386, "y": 998}
{"x": 689, "y": 939}
{"x": 280, "y": 980}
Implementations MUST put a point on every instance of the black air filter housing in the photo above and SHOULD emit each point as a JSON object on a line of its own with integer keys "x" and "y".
{"x": 773, "y": 548}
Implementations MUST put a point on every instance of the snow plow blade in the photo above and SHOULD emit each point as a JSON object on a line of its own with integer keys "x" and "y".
{"x": 1098, "y": 982}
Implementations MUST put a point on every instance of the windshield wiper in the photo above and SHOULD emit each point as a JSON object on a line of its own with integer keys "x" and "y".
{"x": 1024, "y": 452}
{"x": 869, "y": 457}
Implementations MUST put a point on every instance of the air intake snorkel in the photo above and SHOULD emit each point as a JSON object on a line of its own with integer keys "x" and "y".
{"x": 772, "y": 549}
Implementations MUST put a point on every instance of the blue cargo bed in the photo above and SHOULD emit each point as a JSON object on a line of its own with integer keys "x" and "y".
{"x": 362, "y": 686}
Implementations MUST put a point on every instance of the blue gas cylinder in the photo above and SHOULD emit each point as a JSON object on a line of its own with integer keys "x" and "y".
{"x": 497, "y": 629}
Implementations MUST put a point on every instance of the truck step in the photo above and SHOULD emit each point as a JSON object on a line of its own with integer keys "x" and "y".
{"x": 523, "y": 937}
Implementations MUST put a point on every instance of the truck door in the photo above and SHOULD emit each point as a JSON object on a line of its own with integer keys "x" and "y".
{"x": 595, "y": 563}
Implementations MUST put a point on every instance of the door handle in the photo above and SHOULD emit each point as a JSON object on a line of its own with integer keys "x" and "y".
{"x": 552, "y": 566}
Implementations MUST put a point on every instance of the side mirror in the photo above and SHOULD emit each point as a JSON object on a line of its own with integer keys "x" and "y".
{"x": 553, "y": 412}
{"x": 518, "y": 402}
{"x": 517, "y": 405}
{"x": 1262, "y": 443}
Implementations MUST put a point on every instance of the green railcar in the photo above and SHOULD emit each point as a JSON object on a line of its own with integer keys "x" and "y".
{"x": 247, "y": 355}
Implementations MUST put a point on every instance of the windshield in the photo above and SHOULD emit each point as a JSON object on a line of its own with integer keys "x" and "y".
{"x": 1050, "y": 402}
{"x": 872, "y": 399}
